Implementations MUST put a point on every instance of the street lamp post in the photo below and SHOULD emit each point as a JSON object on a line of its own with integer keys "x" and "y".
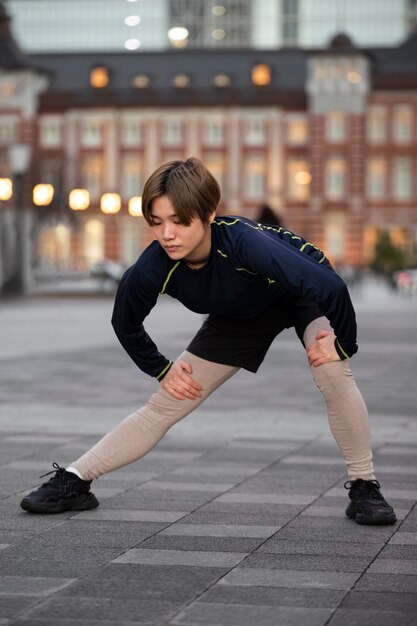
{"x": 19, "y": 157}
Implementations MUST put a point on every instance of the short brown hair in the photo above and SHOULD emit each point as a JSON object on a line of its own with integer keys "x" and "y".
{"x": 191, "y": 188}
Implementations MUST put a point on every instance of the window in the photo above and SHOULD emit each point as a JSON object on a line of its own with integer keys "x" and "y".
{"x": 298, "y": 179}
{"x": 255, "y": 134}
{"x": 131, "y": 134}
{"x": 261, "y": 74}
{"x": 376, "y": 124}
{"x": 214, "y": 132}
{"x": 403, "y": 124}
{"x": 335, "y": 178}
{"x": 141, "y": 81}
{"x": 222, "y": 80}
{"x": 334, "y": 234}
{"x": 335, "y": 127}
{"x": 376, "y": 178}
{"x": 172, "y": 131}
{"x": 181, "y": 81}
{"x": 297, "y": 130}
{"x": 93, "y": 241}
{"x": 50, "y": 131}
{"x": 215, "y": 163}
{"x": 8, "y": 127}
{"x": 92, "y": 175}
{"x": 50, "y": 171}
{"x": 131, "y": 176}
{"x": 99, "y": 77}
{"x": 255, "y": 177}
{"x": 402, "y": 178}
{"x": 91, "y": 133}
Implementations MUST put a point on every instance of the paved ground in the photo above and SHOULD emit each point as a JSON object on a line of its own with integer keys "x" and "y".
{"x": 237, "y": 517}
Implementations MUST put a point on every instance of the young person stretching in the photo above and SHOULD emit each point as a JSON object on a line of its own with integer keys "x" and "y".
{"x": 253, "y": 281}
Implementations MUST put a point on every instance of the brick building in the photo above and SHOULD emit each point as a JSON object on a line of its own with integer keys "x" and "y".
{"x": 327, "y": 137}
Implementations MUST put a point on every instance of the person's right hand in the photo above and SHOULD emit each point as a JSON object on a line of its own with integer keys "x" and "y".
{"x": 179, "y": 383}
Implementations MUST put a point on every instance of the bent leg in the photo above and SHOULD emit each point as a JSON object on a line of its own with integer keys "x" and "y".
{"x": 346, "y": 409}
{"x": 140, "y": 432}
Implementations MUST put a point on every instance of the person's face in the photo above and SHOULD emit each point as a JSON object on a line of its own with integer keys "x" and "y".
{"x": 190, "y": 242}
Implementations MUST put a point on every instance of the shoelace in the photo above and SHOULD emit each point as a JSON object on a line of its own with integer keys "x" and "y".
{"x": 370, "y": 487}
{"x": 58, "y": 471}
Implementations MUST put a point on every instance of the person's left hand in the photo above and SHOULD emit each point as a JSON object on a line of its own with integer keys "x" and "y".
{"x": 323, "y": 350}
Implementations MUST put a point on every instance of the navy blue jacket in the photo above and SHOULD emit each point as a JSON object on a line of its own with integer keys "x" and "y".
{"x": 250, "y": 267}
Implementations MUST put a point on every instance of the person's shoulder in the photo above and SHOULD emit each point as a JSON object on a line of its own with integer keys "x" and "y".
{"x": 234, "y": 225}
{"x": 151, "y": 266}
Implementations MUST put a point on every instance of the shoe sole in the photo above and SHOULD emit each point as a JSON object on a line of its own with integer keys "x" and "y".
{"x": 83, "y": 503}
{"x": 366, "y": 521}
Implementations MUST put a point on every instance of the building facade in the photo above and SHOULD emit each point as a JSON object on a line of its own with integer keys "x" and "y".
{"x": 327, "y": 137}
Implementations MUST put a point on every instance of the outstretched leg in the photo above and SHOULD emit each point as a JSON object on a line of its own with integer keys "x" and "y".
{"x": 138, "y": 433}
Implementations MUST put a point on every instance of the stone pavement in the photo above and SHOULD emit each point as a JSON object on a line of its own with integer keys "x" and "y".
{"x": 237, "y": 517}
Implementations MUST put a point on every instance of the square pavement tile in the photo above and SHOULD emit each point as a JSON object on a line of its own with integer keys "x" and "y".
{"x": 289, "y": 578}
{"x": 265, "y": 498}
{"x": 348, "y": 617}
{"x": 404, "y": 539}
{"x": 32, "y": 586}
{"x": 393, "y": 566}
{"x": 180, "y": 557}
{"x": 323, "y": 548}
{"x": 11, "y": 606}
{"x": 151, "y": 577}
{"x": 262, "y": 560}
{"x": 246, "y": 615}
{"x": 220, "y": 530}
{"x": 387, "y": 582}
{"x": 125, "y": 515}
{"x": 212, "y": 544}
{"x": 386, "y": 601}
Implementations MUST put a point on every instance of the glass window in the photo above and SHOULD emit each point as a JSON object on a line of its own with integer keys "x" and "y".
{"x": 403, "y": 124}
{"x": 335, "y": 179}
{"x": 172, "y": 131}
{"x": 402, "y": 178}
{"x": 131, "y": 176}
{"x": 131, "y": 134}
{"x": 376, "y": 124}
{"x": 298, "y": 179}
{"x": 216, "y": 164}
{"x": 335, "y": 234}
{"x": 91, "y": 133}
{"x": 50, "y": 132}
{"x": 214, "y": 132}
{"x": 50, "y": 171}
{"x": 255, "y": 177}
{"x": 92, "y": 175}
{"x": 255, "y": 131}
{"x": 297, "y": 131}
{"x": 8, "y": 128}
{"x": 93, "y": 241}
{"x": 376, "y": 178}
{"x": 335, "y": 127}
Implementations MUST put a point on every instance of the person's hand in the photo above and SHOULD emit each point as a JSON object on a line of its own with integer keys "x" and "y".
{"x": 179, "y": 383}
{"x": 323, "y": 350}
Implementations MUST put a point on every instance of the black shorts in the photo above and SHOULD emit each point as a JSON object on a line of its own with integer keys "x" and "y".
{"x": 245, "y": 342}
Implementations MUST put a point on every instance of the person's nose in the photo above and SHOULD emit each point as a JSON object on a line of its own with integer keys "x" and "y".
{"x": 168, "y": 231}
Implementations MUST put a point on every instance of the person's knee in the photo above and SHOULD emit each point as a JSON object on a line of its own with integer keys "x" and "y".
{"x": 332, "y": 377}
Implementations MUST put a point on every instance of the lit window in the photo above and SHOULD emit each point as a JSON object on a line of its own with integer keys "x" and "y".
{"x": 93, "y": 241}
{"x": 402, "y": 178}
{"x": 255, "y": 131}
{"x": 298, "y": 179}
{"x": 335, "y": 127}
{"x": 91, "y": 132}
{"x": 261, "y": 74}
{"x": 255, "y": 177}
{"x": 376, "y": 178}
{"x": 131, "y": 176}
{"x": 50, "y": 135}
{"x": 132, "y": 44}
{"x": 222, "y": 80}
{"x": 141, "y": 81}
{"x": 213, "y": 132}
{"x": 172, "y": 131}
{"x": 99, "y": 77}
{"x": 181, "y": 80}
{"x": 131, "y": 132}
{"x": 92, "y": 170}
{"x": 336, "y": 178}
{"x": 403, "y": 124}
{"x": 297, "y": 130}
{"x": 376, "y": 124}
{"x": 218, "y": 34}
{"x": 216, "y": 164}
{"x": 335, "y": 234}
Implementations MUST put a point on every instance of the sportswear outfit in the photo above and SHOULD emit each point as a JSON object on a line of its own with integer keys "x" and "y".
{"x": 257, "y": 281}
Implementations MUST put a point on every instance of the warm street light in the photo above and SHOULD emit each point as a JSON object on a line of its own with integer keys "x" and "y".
{"x": 79, "y": 199}
{"x": 135, "y": 206}
{"x": 178, "y": 36}
{"x": 43, "y": 194}
{"x": 110, "y": 203}
{"x": 6, "y": 189}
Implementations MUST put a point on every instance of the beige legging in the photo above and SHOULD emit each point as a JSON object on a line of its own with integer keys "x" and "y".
{"x": 140, "y": 432}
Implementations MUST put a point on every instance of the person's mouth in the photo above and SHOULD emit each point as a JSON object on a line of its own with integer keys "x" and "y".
{"x": 171, "y": 248}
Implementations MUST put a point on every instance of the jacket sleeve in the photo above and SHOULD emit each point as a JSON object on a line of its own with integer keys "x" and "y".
{"x": 298, "y": 272}
{"x": 136, "y": 296}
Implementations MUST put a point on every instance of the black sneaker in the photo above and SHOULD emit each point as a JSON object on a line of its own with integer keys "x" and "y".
{"x": 367, "y": 505}
{"x": 63, "y": 492}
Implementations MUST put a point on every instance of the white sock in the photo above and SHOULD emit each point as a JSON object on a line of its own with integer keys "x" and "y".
{"x": 74, "y": 471}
